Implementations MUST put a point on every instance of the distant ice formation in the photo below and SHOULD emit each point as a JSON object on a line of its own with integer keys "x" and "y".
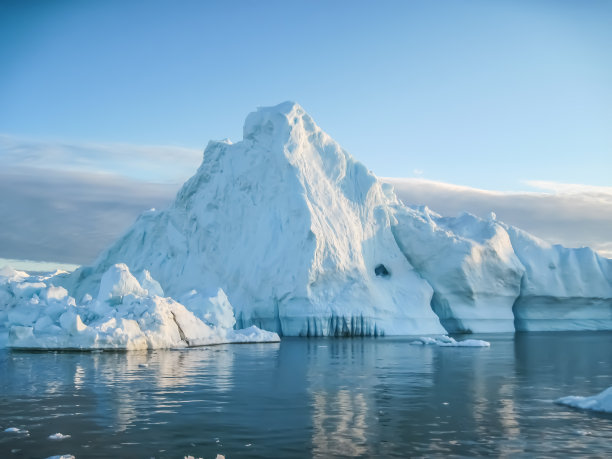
{"x": 285, "y": 231}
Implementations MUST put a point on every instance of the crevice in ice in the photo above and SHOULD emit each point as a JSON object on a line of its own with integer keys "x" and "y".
{"x": 279, "y": 325}
{"x": 180, "y": 330}
{"x": 452, "y": 324}
{"x": 342, "y": 326}
{"x": 518, "y": 322}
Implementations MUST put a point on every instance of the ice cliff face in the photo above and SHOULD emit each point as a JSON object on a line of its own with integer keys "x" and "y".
{"x": 491, "y": 277}
{"x": 305, "y": 241}
{"x": 562, "y": 289}
{"x": 470, "y": 263}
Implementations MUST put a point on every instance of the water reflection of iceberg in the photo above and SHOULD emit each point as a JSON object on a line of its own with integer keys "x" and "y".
{"x": 148, "y": 386}
{"x": 349, "y": 402}
{"x": 339, "y": 424}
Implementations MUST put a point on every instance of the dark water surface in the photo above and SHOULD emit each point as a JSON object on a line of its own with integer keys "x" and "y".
{"x": 312, "y": 397}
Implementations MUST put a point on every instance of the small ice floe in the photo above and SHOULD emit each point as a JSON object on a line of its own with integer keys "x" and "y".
{"x": 58, "y": 436}
{"x": 447, "y": 341}
{"x": 583, "y": 433}
{"x": 16, "y": 430}
{"x": 601, "y": 402}
{"x": 62, "y": 456}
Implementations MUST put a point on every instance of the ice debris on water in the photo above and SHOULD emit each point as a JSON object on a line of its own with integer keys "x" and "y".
{"x": 601, "y": 402}
{"x": 58, "y": 436}
{"x": 447, "y": 341}
{"x": 16, "y": 430}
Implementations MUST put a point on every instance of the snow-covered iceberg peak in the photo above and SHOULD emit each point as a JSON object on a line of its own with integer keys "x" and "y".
{"x": 272, "y": 126}
{"x": 291, "y": 227}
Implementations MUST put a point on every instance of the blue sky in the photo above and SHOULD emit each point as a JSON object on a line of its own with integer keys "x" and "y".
{"x": 487, "y": 94}
{"x": 106, "y": 106}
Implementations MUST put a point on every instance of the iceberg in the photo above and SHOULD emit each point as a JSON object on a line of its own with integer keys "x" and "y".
{"x": 601, "y": 402}
{"x": 285, "y": 231}
{"x": 295, "y": 231}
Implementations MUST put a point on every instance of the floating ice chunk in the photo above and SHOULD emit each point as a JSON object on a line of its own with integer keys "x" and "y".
{"x": 252, "y": 334}
{"x": 466, "y": 343}
{"x": 600, "y": 402}
{"x": 62, "y": 456}
{"x": 16, "y": 430}
{"x": 58, "y": 436}
{"x": 447, "y": 341}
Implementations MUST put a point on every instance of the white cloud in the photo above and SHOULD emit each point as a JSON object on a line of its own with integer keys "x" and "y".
{"x": 70, "y": 217}
{"x": 155, "y": 163}
{"x": 568, "y": 214}
{"x": 571, "y": 188}
{"x": 66, "y": 202}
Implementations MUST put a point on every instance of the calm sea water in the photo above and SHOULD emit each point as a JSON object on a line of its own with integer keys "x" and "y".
{"x": 311, "y": 397}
